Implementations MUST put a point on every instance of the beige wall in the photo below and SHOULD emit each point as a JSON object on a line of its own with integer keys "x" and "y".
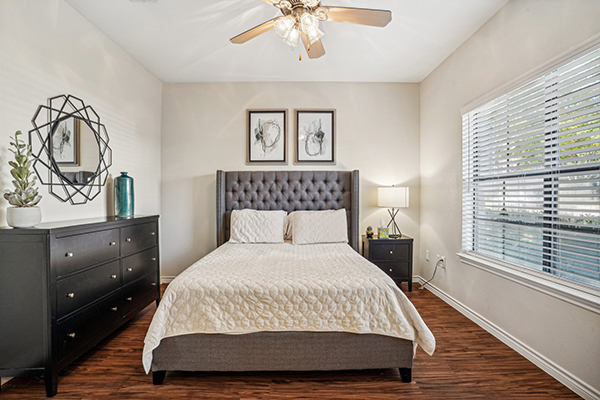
{"x": 48, "y": 49}
{"x": 204, "y": 128}
{"x": 520, "y": 37}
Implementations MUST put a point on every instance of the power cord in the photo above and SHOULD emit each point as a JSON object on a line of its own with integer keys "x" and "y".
{"x": 434, "y": 271}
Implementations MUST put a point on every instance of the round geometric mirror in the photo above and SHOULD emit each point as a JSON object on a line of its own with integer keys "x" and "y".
{"x": 71, "y": 149}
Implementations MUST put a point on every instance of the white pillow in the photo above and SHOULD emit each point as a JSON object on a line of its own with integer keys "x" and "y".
{"x": 319, "y": 227}
{"x": 287, "y": 227}
{"x": 253, "y": 226}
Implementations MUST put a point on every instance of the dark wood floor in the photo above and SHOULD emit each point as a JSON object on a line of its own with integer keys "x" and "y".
{"x": 469, "y": 363}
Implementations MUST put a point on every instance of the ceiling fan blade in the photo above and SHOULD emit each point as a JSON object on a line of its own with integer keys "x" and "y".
{"x": 316, "y": 49}
{"x": 363, "y": 16}
{"x": 254, "y": 32}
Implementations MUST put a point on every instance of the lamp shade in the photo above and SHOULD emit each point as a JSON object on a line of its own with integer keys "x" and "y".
{"x": 392, "y": 197}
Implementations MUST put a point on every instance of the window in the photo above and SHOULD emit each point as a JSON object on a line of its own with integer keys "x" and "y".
{"x": 531, "y": 174}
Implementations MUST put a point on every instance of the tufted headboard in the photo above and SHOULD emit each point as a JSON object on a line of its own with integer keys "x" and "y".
{"x": 289, "y": 191}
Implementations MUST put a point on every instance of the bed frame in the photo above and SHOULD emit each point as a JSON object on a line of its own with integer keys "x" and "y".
{"x": 284, "y": 351}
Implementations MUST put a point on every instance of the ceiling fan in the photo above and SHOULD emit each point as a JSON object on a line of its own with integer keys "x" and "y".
{"x": 300, "y": 20}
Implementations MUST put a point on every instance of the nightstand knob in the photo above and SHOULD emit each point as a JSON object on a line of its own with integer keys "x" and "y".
{"x": 71, "y": 295}
{"x": 69, "y": 255}
{"x": 71, "y": 335}
{"x": 114, "y": 308}
{"x": 153, "y": 284}
{"x": 113, "y": 277}
{"x": 390, "y": 270}
{"x": 152, "y": 233}
{"x": 153, "y": 259}
{"x": 391, "y": 252}
{"x": 129, "y": 299}
{"x": 129, "y": 269}
{"x": 128, "y": 240}
{"x": 112, "y": 243}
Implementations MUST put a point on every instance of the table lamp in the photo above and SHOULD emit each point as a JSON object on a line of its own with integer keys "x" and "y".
{"x": 393, "y": 198}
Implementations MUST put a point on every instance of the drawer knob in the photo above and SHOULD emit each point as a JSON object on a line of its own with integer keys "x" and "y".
{"x": 129, "y": 299}
{"x": 153, "y": 259}
{"x": 152, "y": 233}
{"x": 71, "y": 295}
{"x": 112, "y": 243}
{"x": 71, "y": 335}
{"x": 129, "y": 269}
{"x": 391, "y": 252}
{"x": 390, "y": 270}
{"x": 69, "y": 255}
{"x": 153, "y": 284}
{"x": 114, "y": 308}
{"x": 113, "y": 277}
{"x": 128, "y": 240}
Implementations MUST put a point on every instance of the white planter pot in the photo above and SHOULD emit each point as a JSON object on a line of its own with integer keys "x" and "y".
{"x": 23, "y": 217}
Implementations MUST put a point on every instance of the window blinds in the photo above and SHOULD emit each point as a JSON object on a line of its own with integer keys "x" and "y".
{"x": 531, "y": 174}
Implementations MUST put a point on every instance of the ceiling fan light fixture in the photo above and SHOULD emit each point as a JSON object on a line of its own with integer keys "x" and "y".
{"x": 309, "y": 24}
{"x": 283, "y": 25}
{"x": 292, "y": 38}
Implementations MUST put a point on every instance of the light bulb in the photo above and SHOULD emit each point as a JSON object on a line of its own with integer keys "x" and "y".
{"x": 284, "y": 25}
{"x": 292, "y": 38}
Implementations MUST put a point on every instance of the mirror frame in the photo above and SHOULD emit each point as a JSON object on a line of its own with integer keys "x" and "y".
{"x": 60, "y": 108}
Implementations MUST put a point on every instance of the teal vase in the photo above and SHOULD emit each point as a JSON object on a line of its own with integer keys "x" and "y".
{"x": 123, "y": 195}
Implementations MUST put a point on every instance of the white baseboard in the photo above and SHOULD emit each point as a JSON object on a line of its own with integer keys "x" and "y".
{"x": 551, "y": 368}
{"x": 166, "y": 279}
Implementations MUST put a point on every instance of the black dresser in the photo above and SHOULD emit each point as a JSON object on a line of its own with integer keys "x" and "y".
{"x": 65, "y": 286}
{"x": 393, "y": 256}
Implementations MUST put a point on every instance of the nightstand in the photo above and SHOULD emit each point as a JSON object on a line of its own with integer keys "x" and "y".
{"x": 393, "y": 256}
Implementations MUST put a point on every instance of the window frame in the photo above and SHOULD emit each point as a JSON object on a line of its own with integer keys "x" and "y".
{"x": 570, "y": 291}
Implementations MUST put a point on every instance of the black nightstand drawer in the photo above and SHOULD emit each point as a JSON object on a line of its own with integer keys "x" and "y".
{"x": 392, "y": 251}
{"x": 140, "y": 264}
{"x": 140, "y": 292}
{"x": 395, "y": 269}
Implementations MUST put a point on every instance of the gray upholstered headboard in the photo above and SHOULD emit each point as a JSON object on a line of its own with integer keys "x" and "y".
{"x": 289, "y": 191}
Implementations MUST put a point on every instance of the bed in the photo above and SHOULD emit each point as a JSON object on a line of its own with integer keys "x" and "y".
{"x": 252, "y": 307}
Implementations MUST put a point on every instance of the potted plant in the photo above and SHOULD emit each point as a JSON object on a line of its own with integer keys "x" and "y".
{"x": 25, "y": 197}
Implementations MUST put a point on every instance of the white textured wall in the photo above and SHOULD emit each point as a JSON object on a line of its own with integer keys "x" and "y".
{"x": 204, "y": 129}
{"x": 48, "y": 49}
{"x": 521, "y": 36}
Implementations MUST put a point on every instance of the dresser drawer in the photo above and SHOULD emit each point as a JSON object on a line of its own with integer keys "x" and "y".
{"x": 72, "y": 253}
{"x": 139, "y": 292}
{"x": 138, "y": 237}
{"x": 140, "y": 264}
{"x": 79, "y": 290}
{"x": 75, "y": 332}
{"x": 395, "y": 269}
{"x": 392, "y": 251}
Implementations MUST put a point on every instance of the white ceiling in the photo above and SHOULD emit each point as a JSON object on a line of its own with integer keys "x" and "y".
{"x": 188, "y": 40}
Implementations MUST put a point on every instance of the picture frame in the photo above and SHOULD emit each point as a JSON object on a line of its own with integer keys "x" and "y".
{"x": 383, "y": 233}
{"x": 315, "y": 136}
{"x": 266, "y": 137}
{"x": 65, "y": 141}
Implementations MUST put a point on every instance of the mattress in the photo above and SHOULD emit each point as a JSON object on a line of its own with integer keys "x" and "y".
{"x": 249, "y": 288}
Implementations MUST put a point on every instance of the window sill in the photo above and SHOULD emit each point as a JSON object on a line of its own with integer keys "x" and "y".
{"x": 578, "y": 295}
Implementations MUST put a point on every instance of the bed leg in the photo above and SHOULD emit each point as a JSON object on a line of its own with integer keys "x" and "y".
{"x": 406, "y": 374}
{"x": 158, "y": 377}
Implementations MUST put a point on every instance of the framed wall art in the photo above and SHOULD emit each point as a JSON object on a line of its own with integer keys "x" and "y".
{"x": 65, "y": 141}
{"x": 315, "y": 136}
{"x": 267, "y": 137}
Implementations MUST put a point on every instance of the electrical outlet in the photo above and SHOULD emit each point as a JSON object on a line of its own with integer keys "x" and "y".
{"x": 442, "y": 259}
{"x": 427, "y": 255}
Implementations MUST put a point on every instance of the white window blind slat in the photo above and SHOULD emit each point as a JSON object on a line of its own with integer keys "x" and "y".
{"x": 531, "y": 174}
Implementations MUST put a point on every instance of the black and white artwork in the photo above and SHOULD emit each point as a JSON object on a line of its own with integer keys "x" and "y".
{"x": 267, "y": 133}
{"x": 315, "y": 136}
{"x": 65, "y": 141}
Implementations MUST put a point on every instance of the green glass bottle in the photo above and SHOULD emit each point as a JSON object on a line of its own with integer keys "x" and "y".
{"x": 123, "y": 195}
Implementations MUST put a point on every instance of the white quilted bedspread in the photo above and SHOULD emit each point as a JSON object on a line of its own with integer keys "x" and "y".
{"x": 246, "y": 288}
